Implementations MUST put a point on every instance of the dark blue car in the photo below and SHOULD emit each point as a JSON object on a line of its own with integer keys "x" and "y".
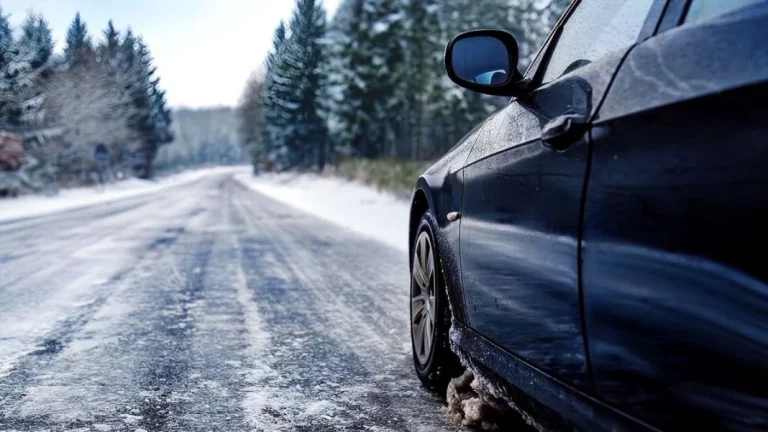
{"x": 599, "y": 245}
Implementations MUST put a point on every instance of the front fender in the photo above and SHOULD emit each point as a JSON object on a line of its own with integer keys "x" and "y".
{"x": 440, "y": 196}
{"x": 440, "y": 190}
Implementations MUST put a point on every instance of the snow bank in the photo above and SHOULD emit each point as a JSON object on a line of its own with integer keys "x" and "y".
{"x": 27, "y": 206}
{"x": 355, "y": 206}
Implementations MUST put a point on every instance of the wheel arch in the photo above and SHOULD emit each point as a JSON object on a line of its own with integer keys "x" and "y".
{"x": 429, "y": 199}
{"x": 419, "y": 206}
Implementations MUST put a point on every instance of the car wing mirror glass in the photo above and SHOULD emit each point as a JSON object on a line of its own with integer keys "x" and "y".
{"x": 484, "y": 61}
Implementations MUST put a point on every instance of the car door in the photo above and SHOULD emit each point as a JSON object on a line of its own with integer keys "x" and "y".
{"x": 675, "y": 278}
{"x": 523, "y": 192}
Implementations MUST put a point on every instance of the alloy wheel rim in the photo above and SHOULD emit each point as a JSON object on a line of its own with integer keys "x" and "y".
{"x": 423, "y": 298}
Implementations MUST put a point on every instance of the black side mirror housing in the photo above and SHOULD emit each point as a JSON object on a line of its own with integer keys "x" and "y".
{"x": 485, "y": 61}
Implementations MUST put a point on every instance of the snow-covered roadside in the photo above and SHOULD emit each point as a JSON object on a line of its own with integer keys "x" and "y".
{"x": 69, "y": 199}
{"x": 355, "y": 206}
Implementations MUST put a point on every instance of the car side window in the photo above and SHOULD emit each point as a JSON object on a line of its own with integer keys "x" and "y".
{"x": 700, "y": 10}
{"x": 596, "y": 28}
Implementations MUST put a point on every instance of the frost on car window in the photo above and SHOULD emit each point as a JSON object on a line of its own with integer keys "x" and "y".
{"x": 595, "y": 29}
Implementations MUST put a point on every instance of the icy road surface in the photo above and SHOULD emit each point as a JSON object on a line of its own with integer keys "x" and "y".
{"x": 204, "y": 307}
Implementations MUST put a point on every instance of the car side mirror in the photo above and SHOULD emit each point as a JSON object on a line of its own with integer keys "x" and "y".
{"x": 484, "y": 61}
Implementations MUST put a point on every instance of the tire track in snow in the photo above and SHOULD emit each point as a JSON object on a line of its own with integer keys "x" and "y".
{"x": 91, "y": 373}
{"x": 52, "y": 285}
{"x": 340, "y": 337}
{"x": 78, "y": 376}
{"x": 237, "y": 313}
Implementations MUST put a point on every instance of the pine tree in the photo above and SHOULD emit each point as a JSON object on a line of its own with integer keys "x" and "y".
{"x": 386, "y": 89}
{"x": 21, "y": 62}
{"x": 386, "y": 73}
{"x": 284, "y": 96}
{"x": 110, "y": 58}
{"x": 153, "y": 118}
{"x": 292, "y": 109}
{"x": 307, "y": 136}
{"x": 269, "y": 99}
{"x": 34, "y": 50}
{"x": 251, "y": 121}
{"x": 128, "y": 51}
{"x": 142, "y": 120}
{"x": 161, "y": 115}
{"x": 340, "y": 73}
{"x": 110, "y": 48}
{"x": 37, "y": 40}
{"x": 6, "y": 35}
{"x": 534, "y": 19}
{"x": 424, "y": 58}
{"x": 8, "y": 77}
{"x": 78, "y": 49}
{"x": 389, "y": 95}
{"x": 367, "y": 81}
{"x": 134, "y": 65}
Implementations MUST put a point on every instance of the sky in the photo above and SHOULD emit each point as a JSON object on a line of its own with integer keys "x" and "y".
{"x": 204, "y": 50}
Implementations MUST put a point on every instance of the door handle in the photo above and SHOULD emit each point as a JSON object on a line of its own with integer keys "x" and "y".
{"x": 563, "y": 131}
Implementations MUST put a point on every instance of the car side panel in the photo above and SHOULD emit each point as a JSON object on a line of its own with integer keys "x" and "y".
{"x": 519, "y": 255}
{"x": 675, "y": 279}
{"x": 443, "y": 186}
{"x": 520, "y": 226}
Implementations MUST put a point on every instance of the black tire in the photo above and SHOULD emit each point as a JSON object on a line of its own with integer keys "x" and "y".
{"x": 441, "y": 364}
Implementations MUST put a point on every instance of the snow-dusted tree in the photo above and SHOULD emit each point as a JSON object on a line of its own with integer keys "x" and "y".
{"x": 272, "y": 92}
{"x": 335, "y": 71}
{"x": 36, "y": 40}
{"x": 128, "y": 51}
{"x": 304, "y": 54}
{"x": 250, "y": 120}
{"x": 36, "y": 47}
{"x": 161, "y": 114}
{"x": 16, "y": 76}
{"x": 6, "y": 35}
{"x": 388, "y": 92}
{"x": 424, "y": 44}
{"x": 23, "y": 63}
{"x": 143, "y": 123}
{"x": 86, "y": 106}
{"x": 294, "y": 84}
{"x": 109, "y": 50}
{"x": 110, "y": 56}
{"x": 385, "y": 72}
{"x": 149, "y": 118}
{"x": 534, "y": 20}
{"x": 8, "y": 76}
{"x": 84, "y": 103}
{"x": 78, "y": 48}
{"x": 88, "y": 96}
{"x": 367, "y": 74}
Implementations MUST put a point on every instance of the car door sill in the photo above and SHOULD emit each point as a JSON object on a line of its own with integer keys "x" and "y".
{"x": 546, "y": 392}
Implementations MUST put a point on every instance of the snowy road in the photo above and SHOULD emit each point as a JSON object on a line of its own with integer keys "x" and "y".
{"x": 203, "y": 307}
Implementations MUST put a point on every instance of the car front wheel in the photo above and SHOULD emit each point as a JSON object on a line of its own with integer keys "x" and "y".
{"x": 430, "y": 314}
